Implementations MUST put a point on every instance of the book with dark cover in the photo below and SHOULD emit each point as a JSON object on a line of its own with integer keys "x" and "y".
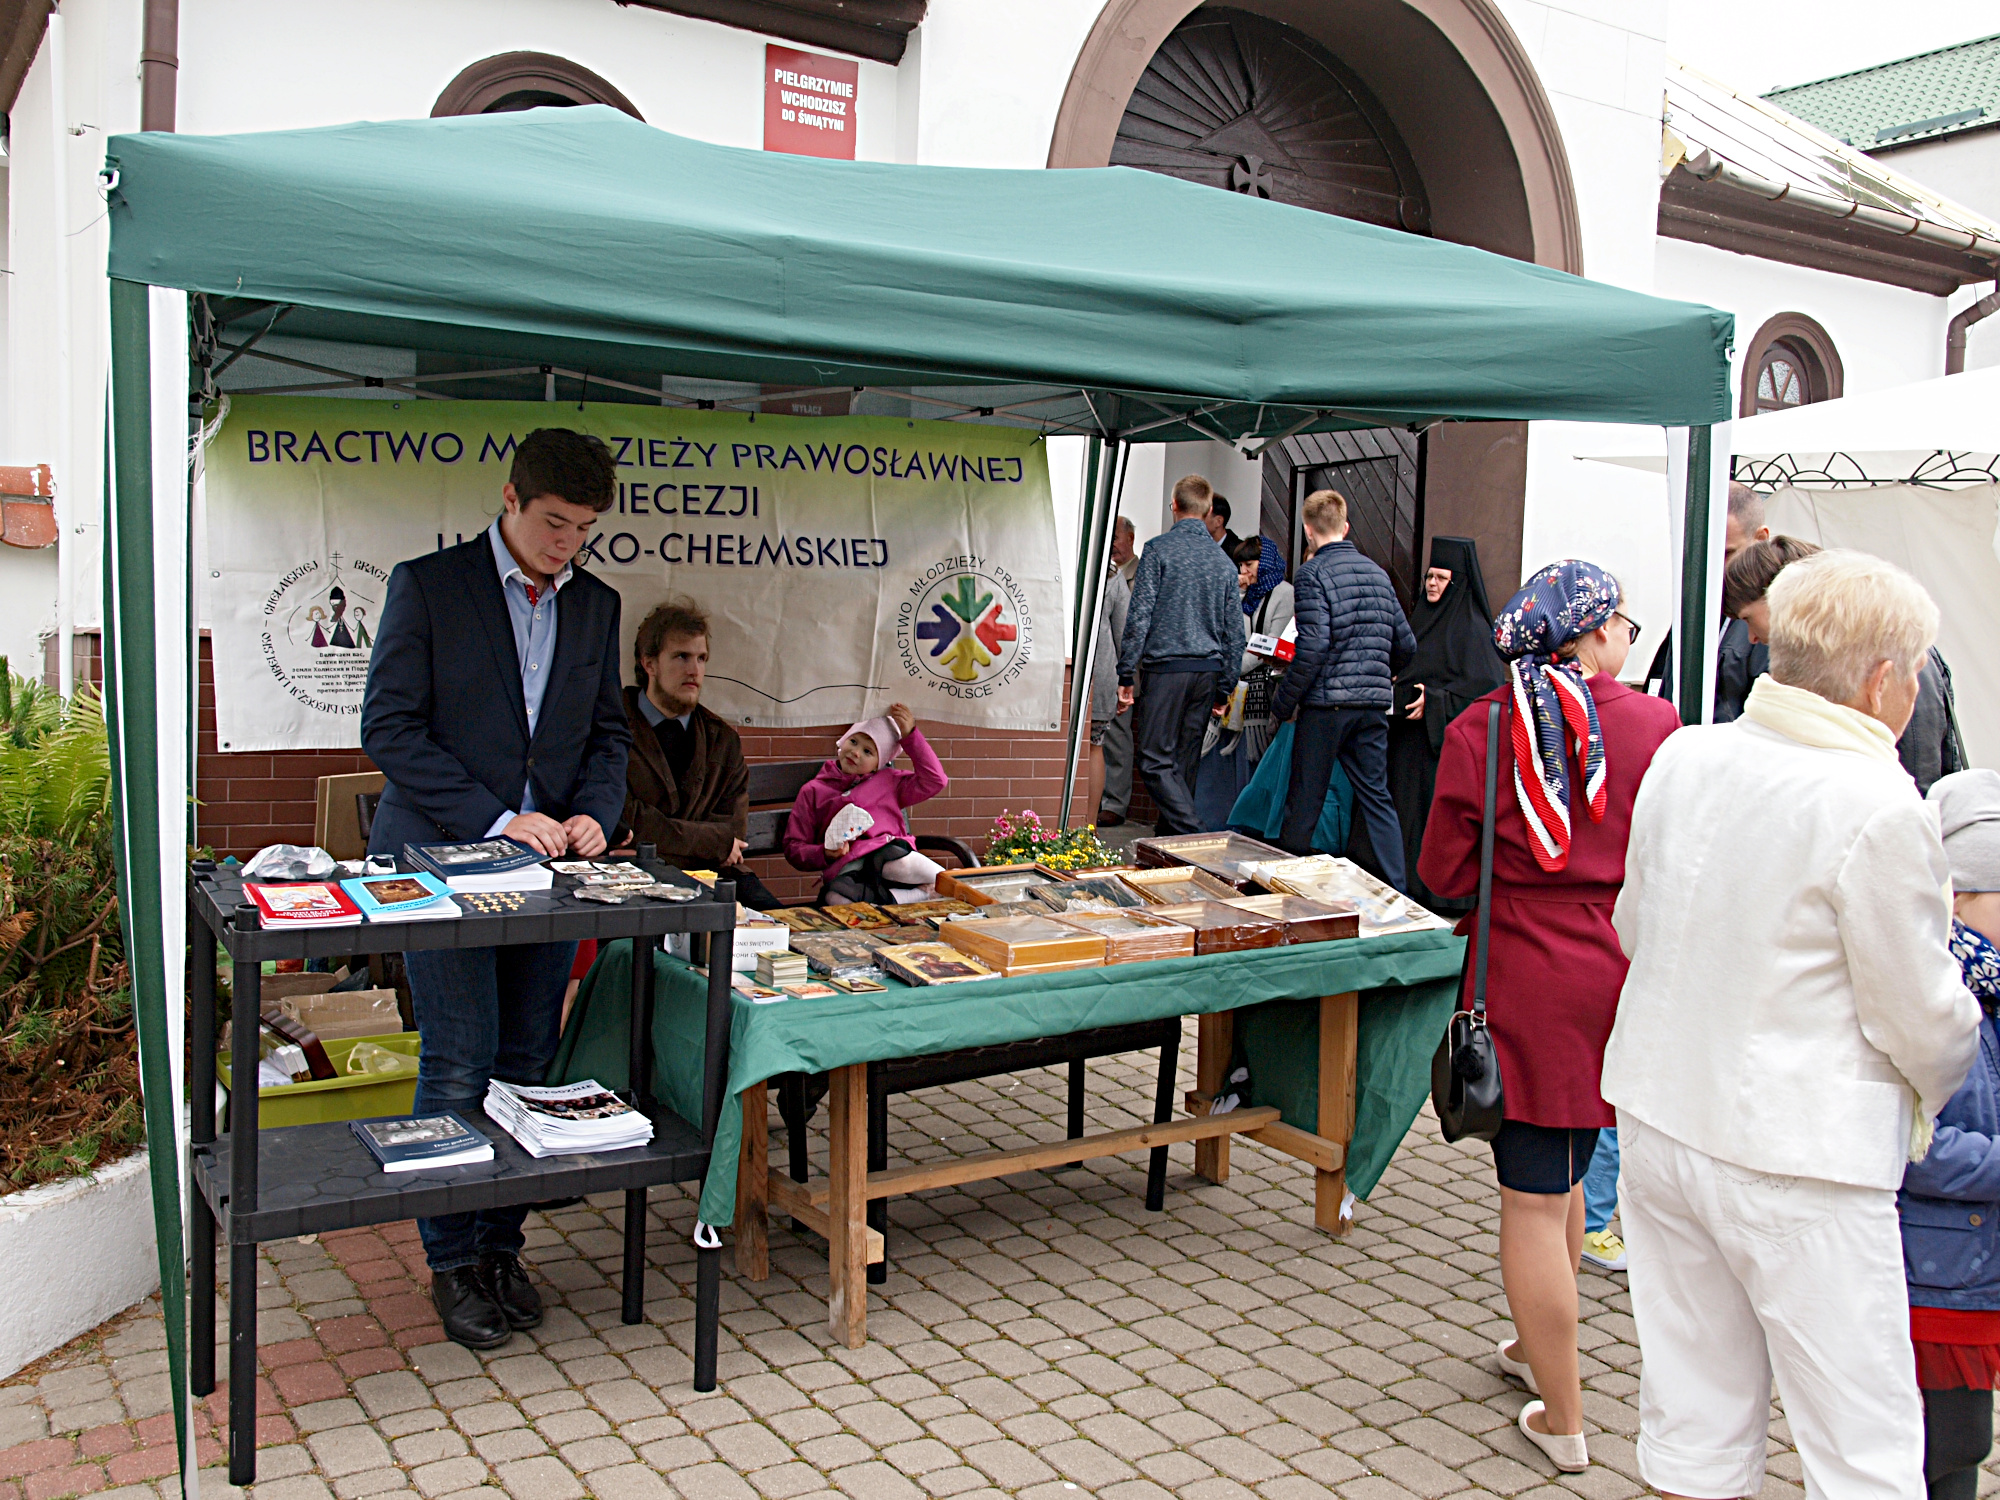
{"x": 411, "y": 1144}
{"x": 496, "y": 864}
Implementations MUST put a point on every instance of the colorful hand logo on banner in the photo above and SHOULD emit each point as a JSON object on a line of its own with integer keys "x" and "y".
{"x": 965, "y": 630}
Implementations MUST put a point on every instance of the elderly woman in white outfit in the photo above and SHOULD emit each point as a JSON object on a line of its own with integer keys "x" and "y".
{"x": 1791, "y": 1024}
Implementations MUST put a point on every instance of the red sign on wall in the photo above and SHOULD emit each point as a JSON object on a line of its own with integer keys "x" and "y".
{"x": 809, "y": 103}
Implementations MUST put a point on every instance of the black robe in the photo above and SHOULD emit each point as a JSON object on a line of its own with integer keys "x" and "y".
{"x": 1457, "y": 663}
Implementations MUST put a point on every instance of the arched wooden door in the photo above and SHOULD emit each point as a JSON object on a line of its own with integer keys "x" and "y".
{"x": 1239, "y": 102}
{"x": 1236, "y": 101}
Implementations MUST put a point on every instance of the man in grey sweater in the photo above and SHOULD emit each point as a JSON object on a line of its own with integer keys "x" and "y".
{"x": 1184, "y": 636}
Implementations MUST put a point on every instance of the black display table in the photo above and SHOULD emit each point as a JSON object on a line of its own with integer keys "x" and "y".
{"x": 308, "y": 1179}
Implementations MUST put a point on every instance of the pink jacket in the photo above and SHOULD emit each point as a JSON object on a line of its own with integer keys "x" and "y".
{"x": 883, "y": 795}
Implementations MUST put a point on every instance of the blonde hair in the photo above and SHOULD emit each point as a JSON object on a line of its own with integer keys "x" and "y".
{"x": 1837, "y": 615}
{"x": 1325, "y": 511}
{"x": 1193, "y": 495}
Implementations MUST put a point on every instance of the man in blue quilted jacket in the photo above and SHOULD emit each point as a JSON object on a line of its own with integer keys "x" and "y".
{"x": 1352, "y": 641}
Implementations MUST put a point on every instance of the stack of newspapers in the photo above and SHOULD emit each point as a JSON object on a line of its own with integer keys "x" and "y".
{"x": 566, "y": 1120}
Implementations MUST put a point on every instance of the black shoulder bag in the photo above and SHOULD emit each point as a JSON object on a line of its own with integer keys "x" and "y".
{"x": 1465, "y": 1074}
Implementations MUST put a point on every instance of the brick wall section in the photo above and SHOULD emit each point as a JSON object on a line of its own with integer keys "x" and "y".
{"x": 248, "y": 801}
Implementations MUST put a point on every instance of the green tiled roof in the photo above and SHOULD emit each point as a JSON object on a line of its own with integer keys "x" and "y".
{"x": 1917, "y": 98}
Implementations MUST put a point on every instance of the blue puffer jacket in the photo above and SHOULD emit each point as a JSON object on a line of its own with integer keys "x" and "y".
{"x": 1353, "y": 638}
{"x": 1950, "y": 1202}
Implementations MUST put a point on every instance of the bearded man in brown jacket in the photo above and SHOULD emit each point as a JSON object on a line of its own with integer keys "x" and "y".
{"x": 687, "y": 788}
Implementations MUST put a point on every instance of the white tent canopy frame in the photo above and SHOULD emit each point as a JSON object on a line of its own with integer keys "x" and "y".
{"x": 1935, "y": 433}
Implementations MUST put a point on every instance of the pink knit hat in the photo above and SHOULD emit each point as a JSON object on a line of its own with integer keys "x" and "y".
{"x": 883, "y": 732}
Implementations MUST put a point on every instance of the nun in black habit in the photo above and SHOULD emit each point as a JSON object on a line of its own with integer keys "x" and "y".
{"x": 1456, "y": 663}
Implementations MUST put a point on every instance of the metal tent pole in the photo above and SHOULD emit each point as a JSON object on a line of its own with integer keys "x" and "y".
{"x": 1089, "y": 509}
{"x": 1090, "y": 592}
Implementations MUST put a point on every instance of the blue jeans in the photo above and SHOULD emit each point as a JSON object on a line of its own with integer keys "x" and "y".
{"x": 483, "y": 1013}
{"x": 1600, "y": 1183}
{"x": 1359, "y": 739}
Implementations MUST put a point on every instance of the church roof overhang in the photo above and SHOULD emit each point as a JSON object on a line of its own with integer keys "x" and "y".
{"x": 1742, "y": 175}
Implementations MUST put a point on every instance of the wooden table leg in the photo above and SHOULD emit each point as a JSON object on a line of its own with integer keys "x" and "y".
{"x": 847, "y": 1204}
{"x": 1339, "y": 1032}
{"x": 1215, "y": 1036}
{"x": 753, "y": 1167}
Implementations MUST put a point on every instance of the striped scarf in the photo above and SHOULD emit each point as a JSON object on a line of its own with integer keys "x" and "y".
{"x": 1555, "y": 718}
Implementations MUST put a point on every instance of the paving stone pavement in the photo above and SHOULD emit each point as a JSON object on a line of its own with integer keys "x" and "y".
{"x": 1042, "y": 1337}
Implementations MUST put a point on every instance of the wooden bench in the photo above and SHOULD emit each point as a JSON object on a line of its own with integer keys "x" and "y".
{"x": 773, "y": 789}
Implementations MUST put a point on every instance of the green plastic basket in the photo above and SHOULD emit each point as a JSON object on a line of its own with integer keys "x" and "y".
{"x": 352, "y": 1096}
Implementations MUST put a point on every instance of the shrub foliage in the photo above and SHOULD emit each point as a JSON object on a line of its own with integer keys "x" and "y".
{"x": 69, "y": 1057}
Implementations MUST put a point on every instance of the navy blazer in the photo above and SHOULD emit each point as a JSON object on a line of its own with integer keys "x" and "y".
{"x": 443, "y": 717}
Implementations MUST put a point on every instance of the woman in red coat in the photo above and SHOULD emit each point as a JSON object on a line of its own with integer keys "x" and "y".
{"x": 1574, "y": 745}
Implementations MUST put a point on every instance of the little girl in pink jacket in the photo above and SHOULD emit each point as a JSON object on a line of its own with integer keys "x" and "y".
{"x": 877, "y": 861}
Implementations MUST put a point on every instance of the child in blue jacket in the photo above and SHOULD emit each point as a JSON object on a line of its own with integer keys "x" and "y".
{"x": 1950, "y": 1202}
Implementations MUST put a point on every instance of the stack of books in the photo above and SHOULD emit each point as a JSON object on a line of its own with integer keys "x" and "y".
{"x": 839, "y": 955}
{"x": 566, "y": 1120}
{"x": 402, "y": 898}
{"x": 482, "y": 865}
{"x": 780, "y": 968}
{"x": 308, "y": 903}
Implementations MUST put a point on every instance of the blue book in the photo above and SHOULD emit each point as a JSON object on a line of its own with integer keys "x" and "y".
{"x": 410, "y": 1145}
{"x": 495, "y": 864}
{"x": 402, "y": 898}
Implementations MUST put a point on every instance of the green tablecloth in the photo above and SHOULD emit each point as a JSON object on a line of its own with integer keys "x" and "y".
{"x": 1408, "y": 981}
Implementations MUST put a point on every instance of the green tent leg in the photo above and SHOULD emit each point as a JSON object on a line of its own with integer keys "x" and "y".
{"x": 1697, "y": 642}
{"x": 132, "y": 720}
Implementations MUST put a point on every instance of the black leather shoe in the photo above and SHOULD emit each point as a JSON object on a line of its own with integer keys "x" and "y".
{"x": 506, "y": 1284}
{"x": 1114, "y": 821}
{"x": 471, "y": 1316}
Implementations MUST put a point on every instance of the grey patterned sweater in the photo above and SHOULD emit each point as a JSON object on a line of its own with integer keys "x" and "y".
{"x": 1186, "y": 609}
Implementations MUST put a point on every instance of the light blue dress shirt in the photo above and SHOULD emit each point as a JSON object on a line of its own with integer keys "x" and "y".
{"x": 656, "y": 716}
{"x": 534, "y": 622}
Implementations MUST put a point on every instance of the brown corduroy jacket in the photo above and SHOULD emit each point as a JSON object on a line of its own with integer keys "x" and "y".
{"x": 693, "y": 825}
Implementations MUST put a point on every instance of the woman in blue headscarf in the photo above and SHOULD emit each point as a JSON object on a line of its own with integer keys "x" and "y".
{"x": 1574, "y": 743}
{"x": 1237, "y": 738}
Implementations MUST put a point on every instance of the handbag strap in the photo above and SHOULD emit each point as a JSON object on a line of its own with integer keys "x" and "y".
{"x": 1486, "y": 857}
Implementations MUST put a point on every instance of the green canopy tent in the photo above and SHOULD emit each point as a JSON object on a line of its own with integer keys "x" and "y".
{"x": 1113, "y": 303}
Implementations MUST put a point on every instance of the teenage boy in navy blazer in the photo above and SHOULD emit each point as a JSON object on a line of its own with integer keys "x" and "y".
{"x": 493, "y": 708}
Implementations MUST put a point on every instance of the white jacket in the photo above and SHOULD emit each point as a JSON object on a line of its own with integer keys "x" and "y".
{"x": 1785, "y": 915}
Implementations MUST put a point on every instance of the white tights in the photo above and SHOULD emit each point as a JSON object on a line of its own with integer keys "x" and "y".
{"x": 912, "y": 869}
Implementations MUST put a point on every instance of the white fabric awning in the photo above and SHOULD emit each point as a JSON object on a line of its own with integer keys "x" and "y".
{"x": 1928, "y": 432}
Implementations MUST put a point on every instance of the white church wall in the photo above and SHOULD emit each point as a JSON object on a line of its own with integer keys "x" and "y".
{"x": 284, "y": 64}
{"x": 1886, "y": 335}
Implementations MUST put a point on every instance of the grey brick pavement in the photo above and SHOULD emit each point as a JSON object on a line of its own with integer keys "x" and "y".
{"x": 1042, "y": 1337}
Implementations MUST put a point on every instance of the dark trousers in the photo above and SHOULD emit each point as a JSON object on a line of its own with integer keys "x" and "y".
{"x": 1359, "y": 739}
{"x": 1170, "y": 719}
{"x": 483, "y": 1013}
{"x": 1958, "y": 1434}
{"x": 1117, "y": 801}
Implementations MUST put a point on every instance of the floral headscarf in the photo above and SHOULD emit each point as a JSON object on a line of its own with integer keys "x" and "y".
{"x": 1979, "y": 962}
{"x": 1553, "y": 709}
{"x": 1270, "y": 573}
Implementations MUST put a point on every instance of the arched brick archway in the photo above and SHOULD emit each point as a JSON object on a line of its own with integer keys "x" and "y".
{"x": 1465, "y": 103}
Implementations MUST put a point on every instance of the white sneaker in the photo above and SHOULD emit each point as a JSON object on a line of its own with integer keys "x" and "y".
{"x": 1566, "y": 1450}
{"x": 1518, "y": 1368}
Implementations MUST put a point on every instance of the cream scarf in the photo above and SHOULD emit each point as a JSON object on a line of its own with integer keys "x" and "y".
{"x": 1802, "y": 715}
